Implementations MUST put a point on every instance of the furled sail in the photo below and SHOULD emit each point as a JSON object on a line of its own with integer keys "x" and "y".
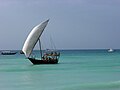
{"x": 33, "y": 37}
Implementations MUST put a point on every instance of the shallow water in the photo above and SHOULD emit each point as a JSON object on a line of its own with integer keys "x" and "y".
{"x": 77, "y": 70}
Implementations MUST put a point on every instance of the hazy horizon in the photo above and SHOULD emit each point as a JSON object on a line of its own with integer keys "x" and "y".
{"x": 74, "y": 24}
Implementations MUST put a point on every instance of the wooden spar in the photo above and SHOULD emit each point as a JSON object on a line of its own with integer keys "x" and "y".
{"x": 40, "y": 48}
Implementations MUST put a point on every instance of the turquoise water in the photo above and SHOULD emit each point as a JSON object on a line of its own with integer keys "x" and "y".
{"x": 77, "y": 70}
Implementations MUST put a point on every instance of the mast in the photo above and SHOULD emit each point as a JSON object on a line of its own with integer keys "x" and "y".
{"x": 40, "y": 48}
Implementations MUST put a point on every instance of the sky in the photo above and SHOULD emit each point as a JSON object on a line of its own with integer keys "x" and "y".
{"x": 74, "y": 24}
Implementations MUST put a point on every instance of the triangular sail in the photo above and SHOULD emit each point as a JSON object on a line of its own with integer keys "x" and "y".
{"x": 33, "y": 37}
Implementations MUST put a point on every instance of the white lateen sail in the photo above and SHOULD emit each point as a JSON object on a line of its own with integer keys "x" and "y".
{"x": 33, "y": 37}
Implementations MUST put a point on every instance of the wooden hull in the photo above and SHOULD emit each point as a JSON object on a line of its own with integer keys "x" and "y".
{"x": 36, "y": 61}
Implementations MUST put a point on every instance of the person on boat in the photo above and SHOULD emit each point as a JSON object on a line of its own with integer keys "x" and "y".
{"x": 45, "y": 56}
{"x": 51, "y": 53}
{"x": 49, "y": 58}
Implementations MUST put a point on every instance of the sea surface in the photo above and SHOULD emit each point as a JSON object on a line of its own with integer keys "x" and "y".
{"x": 76, "y": 70}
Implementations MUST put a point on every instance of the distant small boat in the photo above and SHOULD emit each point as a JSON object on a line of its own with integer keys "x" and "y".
{"x": 110, "y": 50}
{"x": 8, "y": 52}
{"x": 21, "y": 52}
